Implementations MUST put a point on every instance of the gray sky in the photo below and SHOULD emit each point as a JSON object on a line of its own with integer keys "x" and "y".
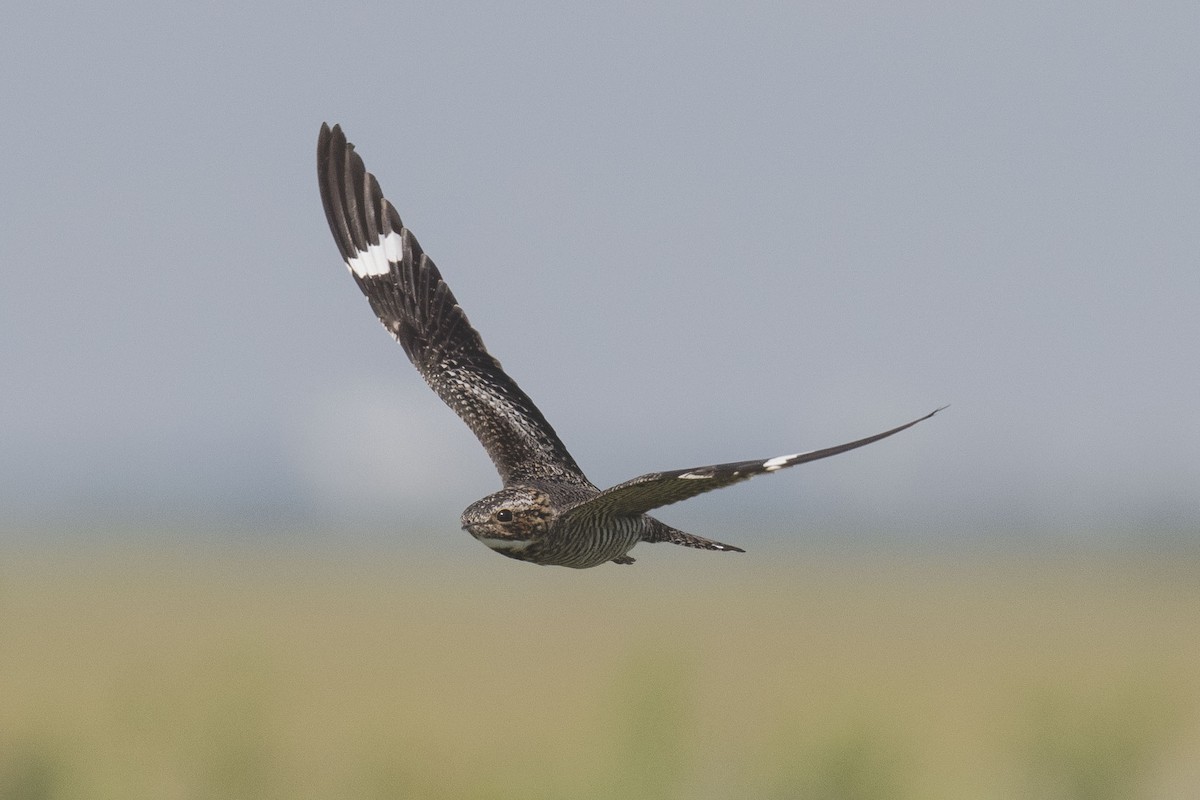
{"x": 692, "y": 234}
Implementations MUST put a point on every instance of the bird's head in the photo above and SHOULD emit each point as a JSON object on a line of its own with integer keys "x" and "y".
{"x": 509, "y": 520}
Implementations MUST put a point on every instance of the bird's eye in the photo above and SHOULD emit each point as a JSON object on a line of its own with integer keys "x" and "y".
{"x": 504, "y": 515}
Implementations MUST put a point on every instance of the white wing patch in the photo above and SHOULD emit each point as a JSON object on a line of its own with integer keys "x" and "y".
{"x": 779, "y": 462}
{"x": 376, "y": 259}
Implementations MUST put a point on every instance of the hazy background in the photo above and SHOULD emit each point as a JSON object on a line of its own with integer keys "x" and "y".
{"x": 692, "y": 232}
{"x": 230, "y": 564}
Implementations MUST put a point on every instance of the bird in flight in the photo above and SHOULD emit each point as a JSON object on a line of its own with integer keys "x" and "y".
{"x": 548, "y": 512}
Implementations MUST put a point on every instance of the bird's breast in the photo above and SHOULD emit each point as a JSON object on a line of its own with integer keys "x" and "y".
{"x": 580, "y": 546}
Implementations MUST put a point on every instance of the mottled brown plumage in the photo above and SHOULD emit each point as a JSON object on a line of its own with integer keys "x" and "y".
{"x": 548, "y": 512}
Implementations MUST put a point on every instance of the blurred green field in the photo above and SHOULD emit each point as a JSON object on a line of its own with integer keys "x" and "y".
{"x": 236, "y": 672}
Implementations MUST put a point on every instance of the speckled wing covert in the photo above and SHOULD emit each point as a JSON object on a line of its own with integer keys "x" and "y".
{"x": 657, "y": 489}
{"x": 407, "y": 293}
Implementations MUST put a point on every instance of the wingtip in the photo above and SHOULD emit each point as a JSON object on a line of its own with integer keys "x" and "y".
{"x": 922, "y": 419}
{"x": 331, "y": 139}
{"x": 327, "y": 135}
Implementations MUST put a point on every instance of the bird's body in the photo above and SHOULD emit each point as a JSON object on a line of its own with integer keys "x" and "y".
{"x": 548, "y": 512}
{"x": 532, "y": 530}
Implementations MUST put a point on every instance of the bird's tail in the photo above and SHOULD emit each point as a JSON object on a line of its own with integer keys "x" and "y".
{"x": 661, "y": 532}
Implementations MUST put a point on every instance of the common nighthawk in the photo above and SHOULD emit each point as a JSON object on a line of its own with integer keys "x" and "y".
{"x": 547, "y": 512}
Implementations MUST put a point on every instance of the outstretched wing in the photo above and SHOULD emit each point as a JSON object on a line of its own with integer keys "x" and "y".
{"x": 407, "y": 293}
{"x": 647, "y": 492}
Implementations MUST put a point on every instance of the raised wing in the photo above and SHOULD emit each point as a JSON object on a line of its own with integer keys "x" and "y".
{"x": 407, "y": 293}
{"x": 656, "y": 489}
